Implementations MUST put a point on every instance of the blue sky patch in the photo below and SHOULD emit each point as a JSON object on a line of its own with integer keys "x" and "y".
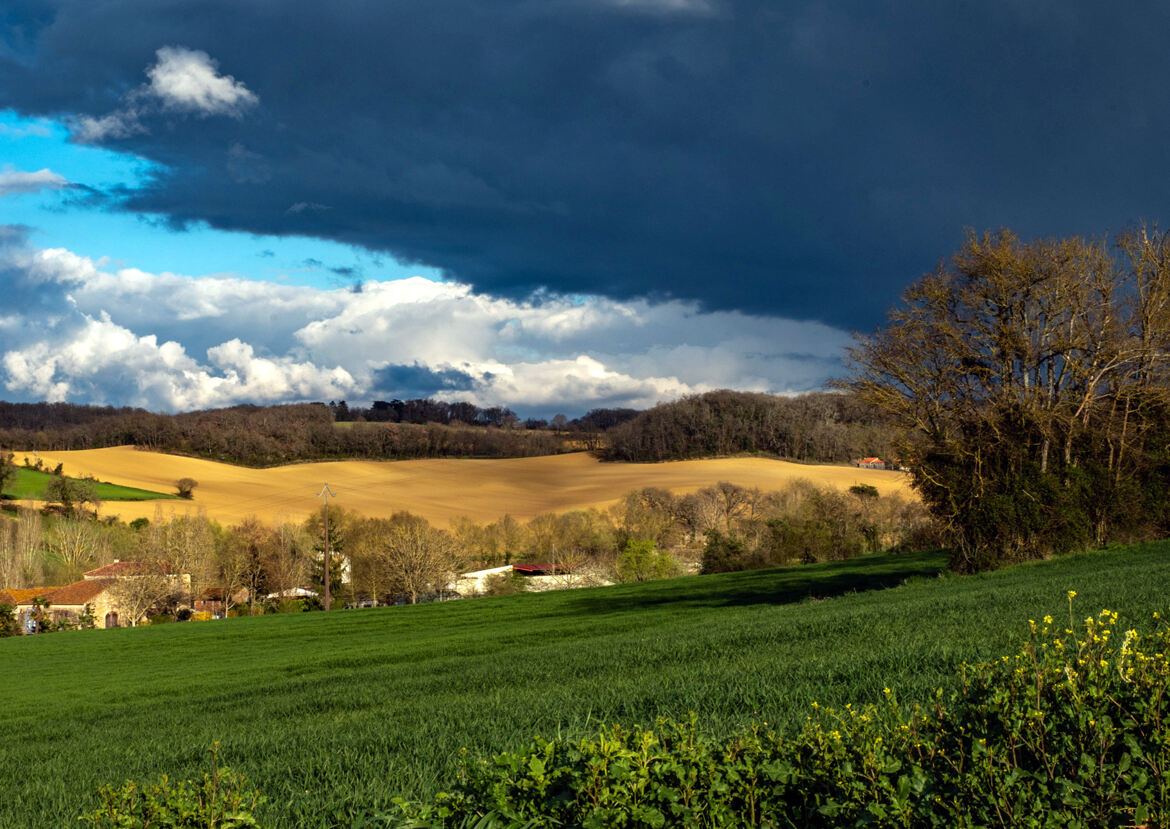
{"x": 88, "y": 222}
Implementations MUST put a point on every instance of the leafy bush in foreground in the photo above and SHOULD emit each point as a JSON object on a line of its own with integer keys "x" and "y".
{"x": 1074, "y": 730}
{"x": 220, "y": 801}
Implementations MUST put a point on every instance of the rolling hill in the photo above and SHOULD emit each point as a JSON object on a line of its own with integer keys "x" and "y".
{"x": 439, "y": 489}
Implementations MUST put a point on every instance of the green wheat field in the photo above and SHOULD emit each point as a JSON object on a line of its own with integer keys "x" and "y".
{"x": 28, "y": 484}
{"x": 331, "y": 715}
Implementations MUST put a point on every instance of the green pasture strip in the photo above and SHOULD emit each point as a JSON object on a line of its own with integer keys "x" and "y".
{"x": 333, "y": 714}
{"x": 29, "y": 484}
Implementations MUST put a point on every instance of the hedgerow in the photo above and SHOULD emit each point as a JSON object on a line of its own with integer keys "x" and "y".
{"x": 1071, "y": 731}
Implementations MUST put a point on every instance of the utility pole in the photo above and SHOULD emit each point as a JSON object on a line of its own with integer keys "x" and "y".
{"x": 325, "y": 493}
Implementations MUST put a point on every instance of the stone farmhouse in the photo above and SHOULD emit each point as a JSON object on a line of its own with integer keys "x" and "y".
{"x": 97, "y": 590}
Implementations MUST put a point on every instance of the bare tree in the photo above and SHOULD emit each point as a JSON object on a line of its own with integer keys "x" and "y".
{"x": 76, "y": 546}
{"x": 418, "y": 558}
{"x": 135, "y": 595}
{"x": 1017, "y": 370}
{"x": 10, "y": 571}
{"x": 187, "y": 543}
{"x": 733, "y": 502}
{"x": 241, "y": 564}
{"x": 700, "y": 512}
{"x": 231, "y": 569}
{"x": 285, "y": 557}
{"x": 648, "y": 514}
{"x": 29, "y": 535}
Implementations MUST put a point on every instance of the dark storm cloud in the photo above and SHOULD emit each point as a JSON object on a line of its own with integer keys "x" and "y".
{"x": 801, "y": 159}
{"x": 414, "y": 381}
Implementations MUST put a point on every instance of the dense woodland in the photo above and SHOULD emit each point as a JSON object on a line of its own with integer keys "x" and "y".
{"x": 821, "y": 428}
{"x": 262, "y": 435}
{"x": 461, "y": 413}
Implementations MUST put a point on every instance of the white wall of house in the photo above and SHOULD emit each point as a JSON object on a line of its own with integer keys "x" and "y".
{"x": 474, "y": 583}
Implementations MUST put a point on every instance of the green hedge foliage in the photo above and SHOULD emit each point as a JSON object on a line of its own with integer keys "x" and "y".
{"x": 1072, "y": 731}
{"x": 221, "y": 800}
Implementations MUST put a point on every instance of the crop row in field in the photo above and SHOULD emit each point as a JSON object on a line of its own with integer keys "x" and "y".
{"x": 333, "y": 714}
{"x": 30, "y": 484}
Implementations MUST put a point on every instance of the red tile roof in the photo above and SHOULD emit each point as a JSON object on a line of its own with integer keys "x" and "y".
{"x": 78, "y": 593}
{"x": 24, "y": 595}
{"x": 130, "y": 568}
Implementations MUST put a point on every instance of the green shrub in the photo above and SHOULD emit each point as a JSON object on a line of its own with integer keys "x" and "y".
{"x": 162, "y": 619}
{"x": 641, "y": 560}
{"x": 504, "y": 584}
{"x": 64, "y": 623}
{"x": 222, "y": 800}
{"x": 725, "y": 554}
{"x": 865, "y": 491}
{"x": 1072, "y": 731}
{"x": 9, "y": 624}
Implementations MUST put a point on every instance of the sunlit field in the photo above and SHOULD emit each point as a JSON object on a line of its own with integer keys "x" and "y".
{"x": 438, "y": 490}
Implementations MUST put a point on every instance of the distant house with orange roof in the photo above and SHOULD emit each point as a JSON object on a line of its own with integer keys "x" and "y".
{"x": 72, "y": 598}
{"x": 94, "y": 589}
{"x": 882, "y": 463}
{"x": 67, "y": 602}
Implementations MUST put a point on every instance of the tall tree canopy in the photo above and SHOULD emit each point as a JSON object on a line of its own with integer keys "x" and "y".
{"x": 1030, "y": 383}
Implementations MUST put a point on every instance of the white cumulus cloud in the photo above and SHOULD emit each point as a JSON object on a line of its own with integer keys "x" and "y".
{"x": 182, "y": 80}
{"x": 83, "y": 332}
{"x": 100, "y": 361}
{"x": 187, "y": 79}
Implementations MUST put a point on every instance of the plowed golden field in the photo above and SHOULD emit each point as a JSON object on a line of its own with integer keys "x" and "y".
{"x": 439, "y": 490}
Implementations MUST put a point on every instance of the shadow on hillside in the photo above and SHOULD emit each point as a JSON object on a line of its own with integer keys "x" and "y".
{"x": 787, "y": 585}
